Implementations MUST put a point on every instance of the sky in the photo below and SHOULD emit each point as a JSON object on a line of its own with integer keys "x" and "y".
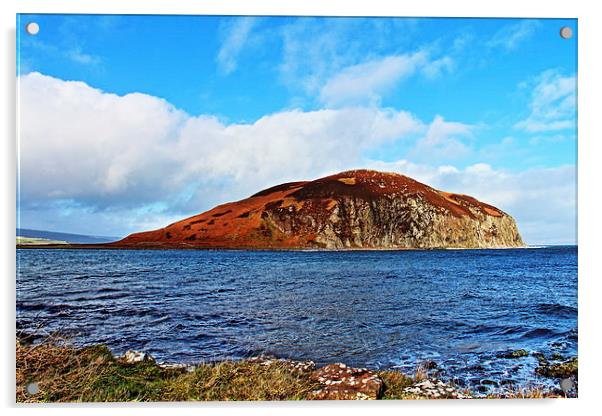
{"x": 129, "y": 123}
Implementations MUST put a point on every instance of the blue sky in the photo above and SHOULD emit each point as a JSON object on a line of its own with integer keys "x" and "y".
{"x": 171, "y": 115}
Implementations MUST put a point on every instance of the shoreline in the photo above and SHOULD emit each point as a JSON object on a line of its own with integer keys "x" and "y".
{"x": 56, "y": 371}
{"x": 103, "y": 246}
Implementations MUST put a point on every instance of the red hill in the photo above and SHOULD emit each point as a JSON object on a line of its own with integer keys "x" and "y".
{"x": 360, "y": 209}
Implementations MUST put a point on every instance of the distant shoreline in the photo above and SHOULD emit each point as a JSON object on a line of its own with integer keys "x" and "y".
{"x": 68, "y": 246}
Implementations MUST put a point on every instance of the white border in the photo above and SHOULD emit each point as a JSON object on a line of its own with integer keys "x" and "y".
{"x": 423, "y": 8}
{"x": 590, "y": 276}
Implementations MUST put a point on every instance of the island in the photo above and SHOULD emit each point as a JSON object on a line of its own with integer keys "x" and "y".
{"x": 357, "y": 209}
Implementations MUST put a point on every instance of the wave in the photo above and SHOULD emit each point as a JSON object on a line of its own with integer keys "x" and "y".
{"x": 539, "y": 333}
{"x": 159, "y": 320}
{"x": 101, "y": 296}
{"x": 42, "y": 307}
{"x": 556, "y": 309}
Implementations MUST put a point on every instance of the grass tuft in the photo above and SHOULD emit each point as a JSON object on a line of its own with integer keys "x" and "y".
{"x": 395, "y": 382}
{"x": 241, "y": 380}
{"x": 92, "y": 374}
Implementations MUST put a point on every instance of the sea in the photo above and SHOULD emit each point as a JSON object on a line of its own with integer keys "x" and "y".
{"x": 458, "y": 311}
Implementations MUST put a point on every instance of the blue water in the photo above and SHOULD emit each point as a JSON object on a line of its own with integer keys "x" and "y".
{"x": 460, "y": 308}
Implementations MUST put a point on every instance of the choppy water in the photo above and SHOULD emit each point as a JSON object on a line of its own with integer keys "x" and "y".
{"x": 460, "y": 308}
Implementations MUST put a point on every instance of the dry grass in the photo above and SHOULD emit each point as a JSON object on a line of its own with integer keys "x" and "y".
{"x": 67, "y": 374}
{"x": 395, "y": 382}
{"x": 64, "y": 373}
{"x": 421, "y": 373}
{"x": 240, "y": 380}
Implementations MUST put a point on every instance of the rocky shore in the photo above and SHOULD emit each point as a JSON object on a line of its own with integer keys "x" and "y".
{"x": 56, "y": 372}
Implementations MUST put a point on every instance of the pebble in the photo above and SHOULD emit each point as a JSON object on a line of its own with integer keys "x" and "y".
{"x": 340, "y": 382}
{"x": 133, "y": 357}
{"x": 435, "y": 389}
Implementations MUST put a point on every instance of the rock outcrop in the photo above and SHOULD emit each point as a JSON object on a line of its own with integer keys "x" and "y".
{"x": 340, "y": 382}
{"x": 360, "y": 209}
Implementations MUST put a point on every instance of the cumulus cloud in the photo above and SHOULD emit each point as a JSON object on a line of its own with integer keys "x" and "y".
{"x": 104, "y": 151}
{"x": 79, "y": 143}
{"x": 553, "y": 103}
{"x": 237, "y": 32}
{"x": 289, "y": 145}
{"x": 100, "y": 163}
{"x": 444, "y": 140}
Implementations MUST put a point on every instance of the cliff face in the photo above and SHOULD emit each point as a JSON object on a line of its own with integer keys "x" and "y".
{"x": 355, "y": 209}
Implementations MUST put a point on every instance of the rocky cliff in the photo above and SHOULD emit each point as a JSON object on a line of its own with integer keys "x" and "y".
{"x": 360, "y": 209}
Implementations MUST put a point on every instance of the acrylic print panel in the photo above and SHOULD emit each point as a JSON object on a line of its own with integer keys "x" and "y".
{"x": 228, "y": 208}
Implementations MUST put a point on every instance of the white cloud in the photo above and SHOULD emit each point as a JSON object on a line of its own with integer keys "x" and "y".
{"x": 542, "y": 201}
{"x": 100, "y": 163}
{"x": 77, "y": 55}
{"x": 316, "y": 50}
{"x": 237, "y": 34}
{"x": 512, "y": 35}
{"x": 288, "y": 145}
{"x": 368, "y": 81}
{"x": 68, "y": 49}
{"x": 444, "y": 140}
{"x": 80, "y": 143}
{"x": 553, "y": 103}
{"x": 439, "y": 66}
{"x": 105, "y": 151}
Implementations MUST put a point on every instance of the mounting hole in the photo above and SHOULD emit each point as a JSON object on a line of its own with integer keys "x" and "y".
{"x": 33, "y": 388}
{"x": 566, "y": 32}
{"x": 32, "y": 28}
{"x": 566, "y": 384}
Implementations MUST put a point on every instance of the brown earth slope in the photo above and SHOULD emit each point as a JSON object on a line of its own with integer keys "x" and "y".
{"x": 360, "y": 209}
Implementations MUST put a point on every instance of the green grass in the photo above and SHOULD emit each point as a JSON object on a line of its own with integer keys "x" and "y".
{"x": 64, "y": 373}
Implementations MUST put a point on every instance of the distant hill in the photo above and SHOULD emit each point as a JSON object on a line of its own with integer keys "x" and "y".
{"x": 66, "y": 237}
